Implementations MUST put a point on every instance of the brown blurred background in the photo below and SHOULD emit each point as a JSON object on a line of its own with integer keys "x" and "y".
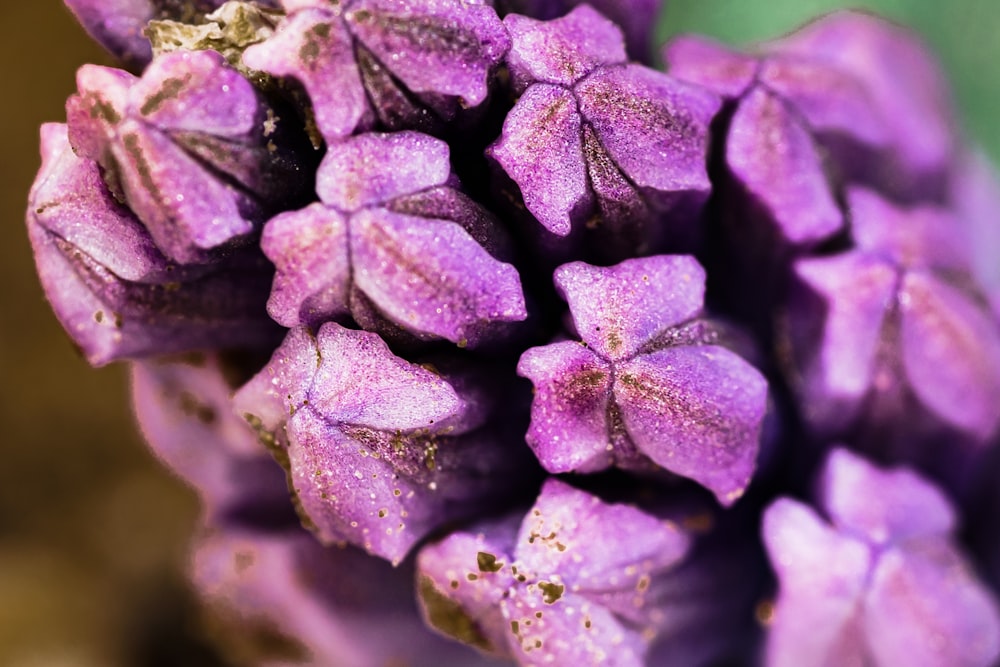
{"x": 92, "y": 532}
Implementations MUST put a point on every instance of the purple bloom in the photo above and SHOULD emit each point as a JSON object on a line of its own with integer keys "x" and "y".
{"x": 324, "y": 606}
{"x": 637, "y": 18}
{"x": 594, "y": 140}
{"x": 113, "y": 290}
{"x": 394, "y": 244}
{"x": 188, "y": 146}
{"x": 895, "y": 334}
{"x": 884, "y": 584}
{"x": 647, "y": 382}
{"x": 185, "y": 413}
{"x": 570, "y": 584}
{"x": 387, "y": 63}
{"x": 380, "y": 451}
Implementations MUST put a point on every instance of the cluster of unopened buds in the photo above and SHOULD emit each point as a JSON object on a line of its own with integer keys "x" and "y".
{"x": 483, "y": 340}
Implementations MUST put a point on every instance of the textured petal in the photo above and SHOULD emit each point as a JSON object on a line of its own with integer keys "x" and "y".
{"x": 563, "y": 50}
{"x": 696, "y": 411}
{"x": 99, "y": 106}
{"x": 461, "y": 581}
{"x": 927, "y": 609}
{"x": 448, "y": 47}
{"x": 822, "y": 577}
{"x": 117, "y": 25}
{"x": 829, "y": 99}
{"x": 542, "y": 151}
{"x": 838, "y": 363}
{"x": 569, "y": 412}
{"x": 430, "y": 276}
{"x": 699, "y": 60}
{"x": 309, "y": 250}
{"x": 951, "y": 352}
{"x": 619, "y": 309}
{"x": 654, "y": 127}
{"x": 883, "y": 506}
{"x": 772, "y": 154}
{"x": 921, "y": 236}
{"x": 186, "y": 209}
{"x": 315, "y": 47}
{"x": 195, "y": 91}
{"x": 374, "y": 168}
{"x": 360, "y": 382}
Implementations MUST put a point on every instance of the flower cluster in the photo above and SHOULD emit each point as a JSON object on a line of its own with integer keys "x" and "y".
{"x": 471, "y": 327}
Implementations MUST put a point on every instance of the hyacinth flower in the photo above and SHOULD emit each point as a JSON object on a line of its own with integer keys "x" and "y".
{"x": 184, "y": 411}
{"x": 880, "y": 581}
{"x": 282, "y": 599}
{"x": 385, "y": 64}
{"x": 597, "y": 143}
{"x": 189, "y": 146}
{"x": 112, "y": 289}
{"x": 394, "y": 244}
{"x": 892, "y": 343}
{"x": 380, "y": 450}
{"x": 637, "y": 18}
{"x": 647, "y": 383}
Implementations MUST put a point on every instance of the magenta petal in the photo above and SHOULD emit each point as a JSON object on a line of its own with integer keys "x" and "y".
{"x": 101, "y": 104}
{"x": 563, "y": 50}
{"x": 905, "y": 506}
{"x": 772, "y": 154}
{"x": 448, "y": 47}
{"x": 186, "y": 209}
{"x": 361, "y": 382}
{"x": 430, "y": 276}
{"x": 839, "y": 367}
{"x": 575, "y": 632}
{"x": 822, "y": 575}
{"x": 829, "y": 99}
{"x": 195, "y": 91}
{"x": 569, "y": 412}
{"x": 542, "y": 151}
{"x": 350, "y": 495}
{"x": 926, "y": 604}
{"x": 309, "y": 250}
{"x": 117, "y": 25}
{"x": 654, "y": 127}
{"x": 607, "y": 552}
{"x": 373, "y": 168}
{"x": 696, "y": 411}
{"x": 315, "y": 47}
{"x": 699, "y": 60}
{"x": 620, "y": 308}
{"x": 951, "y": 352}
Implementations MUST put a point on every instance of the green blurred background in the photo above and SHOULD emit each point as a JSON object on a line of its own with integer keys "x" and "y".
{"x": 92, "y": 532}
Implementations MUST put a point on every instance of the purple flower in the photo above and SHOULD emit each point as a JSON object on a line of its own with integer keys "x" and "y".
{"x": 188, "y": 146}
{"x": 895, "y": 334}
{"x": 185, "y": 413}
{"x": 594, "y": 141}
{"x": 113, "y": 290}
{"x": 637, "y": 18}
{"x": 381, "y": 451}
{"x": 394, "y": 64}
{"x": 647, "y": 383}
{"x": 394, "y": 244}
{"x": 570, "y": 584}
{"x": 315, "y": 605}
{"x": 883, "y": 585}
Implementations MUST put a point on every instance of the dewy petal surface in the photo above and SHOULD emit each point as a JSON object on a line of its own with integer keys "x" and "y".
{"x": 569, "y": 412}
{"x": 619, "y": 309}
{"x": 696, "y": 411}
{"x": 772, "y": 154}
{"x": 564, "y": 50}
{"x": 542, "y": 151}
